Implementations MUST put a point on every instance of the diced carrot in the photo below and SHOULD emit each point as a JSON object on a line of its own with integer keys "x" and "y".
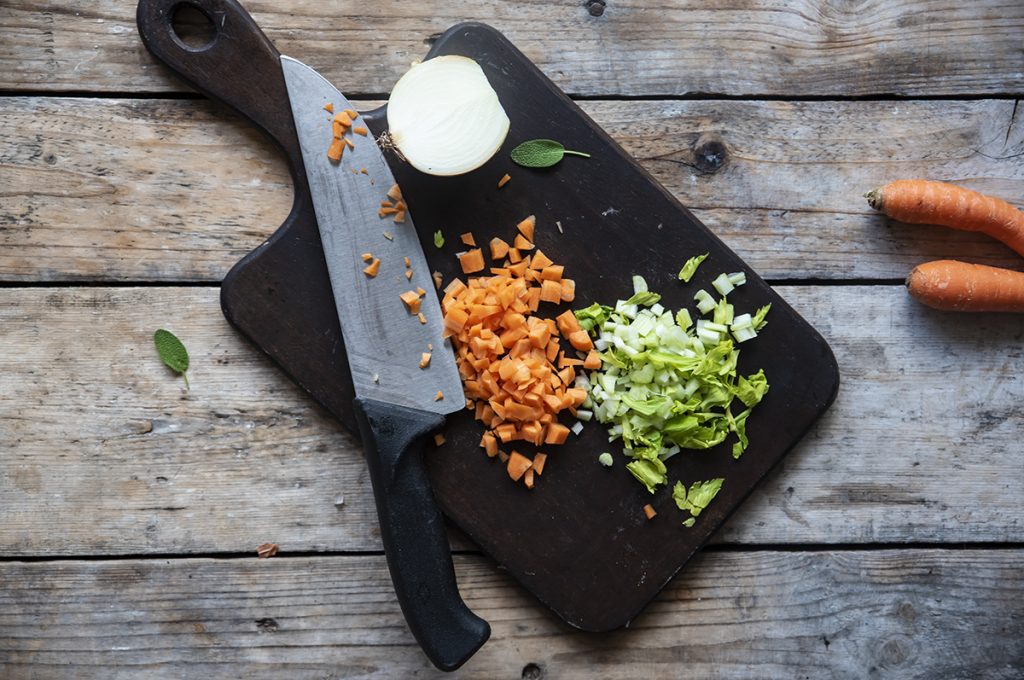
{"x": 395, "y": 193}
{"x": 400, "y": 217}
{"x": 343, "y": 118}
{"x": 439, "y": 396}
{"x": 538, "y": 462}
{"x": 551, "y": 291}
{"x": 335, "y": 150}
{"x": 593, "y": 360}
{"x": 372, "y": 268}
{"x": 337, "y": 130}
{"x": 528, "y": 478}
{"x": 438, "y": 279}
{"x": 514, "y": 255}
{"x": 502, "y": 456}
{"x": 472, "y": 261}
{"x": 505, "y": 432}
{"x": 412, "y": 301}
{"x": 581, "y": 341}
{"x": 556, "y": 434}
{"x": 468, "y": 239}
{"x": 421, "y": 292}
{"x": 567, "y": 323}
{"x": 386, "y": 210}
{"x": 425, "y": 360}
{"x": 522, "y": 243}
{"x": 489, "y": 444}
{"x": 367, "y": 257}
{"x": 526, "y": 227}
{"x": 499, "y": 249}
{"x": 329, "y": 107}
{"x": 568, "y": 290}
{"x": 540, "y": 261}
{"x": 504, "y": 180}
{"x": 408, "y": 274}
{"x": 351, "y": 114}
{"x": 359, "y": 130}
{"x": 422, "y": 318}
{"x": 649, "y": 511}
{"x": 439, "y": 439}
{"x": 407, "y": 261}
{"x": 552, "y": 273}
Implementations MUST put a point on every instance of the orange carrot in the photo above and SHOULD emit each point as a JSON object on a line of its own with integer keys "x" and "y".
{"x": 395, "y": 193}
{"x": 343, "y": 118}
{"x": 351, "y": 114}
{"x": 504, "y": 180}
{"x": 518, "y": 464}
{"x": 329, "y": 107}
{"x": 412, "y": 301}
{"x": 963, "y": 287}
{"x": 439, "y": 439}
{"x": 359, "y": 130}
{"x": 526, "y": 227}
{"x": 424, "y": 359}
{"x": 472, "y": 261}
{"x": 649, "y": 511}
{"x": 538, "y": 462}
{"x": 367, "y": 257}
{"x": 920, "y": 201}
{"x": 372, "y": 268}
{"x": 468, "y": 239}
{"x": 335, "y": 150}
{"x": 408, "y": 274}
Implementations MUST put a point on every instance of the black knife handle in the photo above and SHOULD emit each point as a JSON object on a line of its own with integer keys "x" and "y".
{"x": 239, "y": 66}
{"x": 413, "y": 532}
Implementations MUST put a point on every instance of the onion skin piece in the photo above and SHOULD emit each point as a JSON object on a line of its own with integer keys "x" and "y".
{"x": 962, "y": 287}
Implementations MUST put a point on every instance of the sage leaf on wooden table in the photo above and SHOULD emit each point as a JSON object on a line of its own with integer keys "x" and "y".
{"x": 542, "y": 153}
{"x": 172, "y": 352}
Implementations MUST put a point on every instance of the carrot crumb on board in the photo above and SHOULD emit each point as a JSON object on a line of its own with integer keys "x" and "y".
{"x": 438, "y": 279}
{"x": 372, "y": 268}
{"x": 363, "y": 171}
{"x": 504, "y": 180}
{"x": 649, "y": 511}
{"x": 425, "y": 360}
{"x": 395, "y": 193}
{"x": 439, "y": 396}
{"x": 408, "y": 262}
{"x": 422, "y": 318}
{"x": 367, "y": 257}
{"x": 359, "y": 130}
{"x": 408, "y": 274}
{"x": 266, "y": 550}
{"x": 439, "y": 439}
{"x": 329, "y": 107}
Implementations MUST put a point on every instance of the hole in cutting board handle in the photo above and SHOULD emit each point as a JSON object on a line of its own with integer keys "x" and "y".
{"x": 192, "y": 27}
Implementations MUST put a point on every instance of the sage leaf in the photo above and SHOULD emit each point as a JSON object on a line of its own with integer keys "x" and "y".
{"x": 541, "y": 153}
{"x": 172, "y": 352}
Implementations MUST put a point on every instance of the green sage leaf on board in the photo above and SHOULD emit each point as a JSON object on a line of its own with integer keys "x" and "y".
{"x": 172, "y": 352}
{"x": 542, "y": 153}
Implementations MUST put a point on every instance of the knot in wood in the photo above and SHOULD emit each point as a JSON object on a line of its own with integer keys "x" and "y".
{"x": 595, "y": 7}
{"x": 709, "y": 153}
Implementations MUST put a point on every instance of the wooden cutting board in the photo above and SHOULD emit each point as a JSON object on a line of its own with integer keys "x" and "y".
{"x": 579, "y": 541}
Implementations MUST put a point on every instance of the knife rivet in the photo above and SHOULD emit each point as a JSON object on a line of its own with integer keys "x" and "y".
{"x": 595, "y": 7}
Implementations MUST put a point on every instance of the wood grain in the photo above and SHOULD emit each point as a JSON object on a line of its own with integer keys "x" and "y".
{"x": 673, "y": 47}
{"x": 890, "y": 614}
{"x": 105, "y": 452}
{"x": 158, "y": 190}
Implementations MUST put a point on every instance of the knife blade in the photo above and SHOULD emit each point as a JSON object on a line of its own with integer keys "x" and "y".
{"x": 398, "y": 403}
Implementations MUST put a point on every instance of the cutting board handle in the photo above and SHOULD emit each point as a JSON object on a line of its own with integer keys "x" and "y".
{"x": 239, "y": 66}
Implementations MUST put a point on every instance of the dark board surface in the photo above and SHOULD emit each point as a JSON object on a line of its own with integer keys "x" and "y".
{"x": 579, "y": 541}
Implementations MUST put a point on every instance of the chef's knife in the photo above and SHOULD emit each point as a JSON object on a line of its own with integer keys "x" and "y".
{"x": 396, "y": 406}
{"x": 398, "y": 401}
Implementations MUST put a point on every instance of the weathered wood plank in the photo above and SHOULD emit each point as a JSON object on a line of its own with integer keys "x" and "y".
{"x": 811, "y": 47}
{"x": 102, "y": 451}
{"x": 886, "y": 614}
{"x": 180, "y": 190}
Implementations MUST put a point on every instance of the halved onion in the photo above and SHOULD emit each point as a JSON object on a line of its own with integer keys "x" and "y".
{"x": 445, "y": 118}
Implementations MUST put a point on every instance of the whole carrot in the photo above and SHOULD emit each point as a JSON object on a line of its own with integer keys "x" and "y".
{"x": 963, "y": 287}
{"x": 921, "y": 201}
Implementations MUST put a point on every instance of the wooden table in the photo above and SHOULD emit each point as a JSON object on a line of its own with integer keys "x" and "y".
{"x": 889, "y": 544}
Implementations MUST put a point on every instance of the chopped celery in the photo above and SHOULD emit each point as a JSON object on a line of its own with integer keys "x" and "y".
{"x": 723, "y": 285}
{"x": 758, "y": 320}
{"x": 690, "y": 268}
{"x": 667, "y": 383}
{"x": 605, "y": 459}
